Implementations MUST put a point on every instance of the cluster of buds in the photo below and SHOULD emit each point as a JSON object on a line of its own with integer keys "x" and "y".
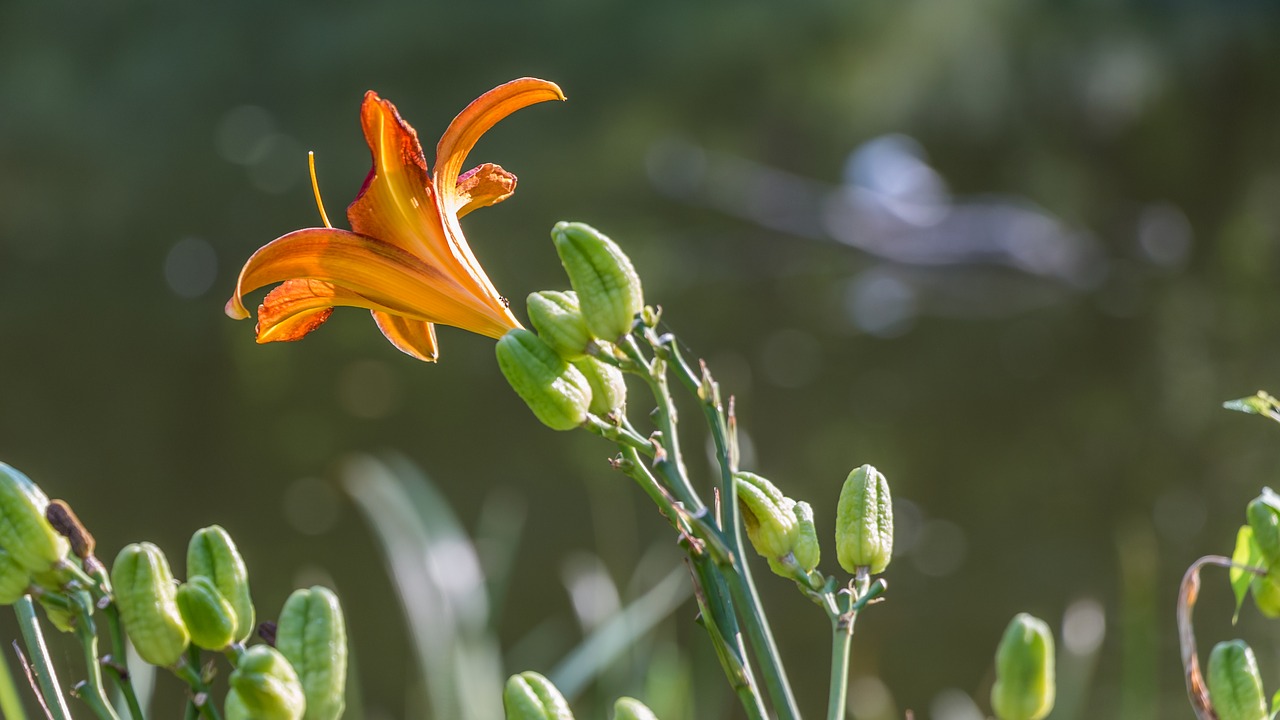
{"x": 530, "y": 696}
{"x": 556, "y": 371}
{"x": 782, "y": 531}
{"x": 1263, "y": 540}
{"x": 302, "y": 678}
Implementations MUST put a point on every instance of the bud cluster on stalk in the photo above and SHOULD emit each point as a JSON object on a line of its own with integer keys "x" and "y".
{"x": 553, "y": 369}
{"x": 302, "y": 678}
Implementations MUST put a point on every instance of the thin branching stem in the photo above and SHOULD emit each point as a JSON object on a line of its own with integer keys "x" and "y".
{"x": 741, "y": 584}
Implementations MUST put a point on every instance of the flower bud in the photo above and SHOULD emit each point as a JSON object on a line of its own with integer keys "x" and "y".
{"x": 631, "y": 709}
{"x": 214, "y": 555}
{"x": 601, "y": 274}
{"x": 806, "y": 549}
{"x": 554, "y": 390}
{"x": 14, "y": 579}
{"x": 208, "y": 615}
{"x": 608, "y": 386}
{"x": 267, "y": 686}
{"x": 767, "y": 515}
{"x": 312, "y": 636}
{"x": 145, "y": 594}
{"x": 864, "y": 522}
{"x": 1235, "y": 689}
{"x": 1265, "y": 522}
{"x": 530, "y": 696}
{"x": 24, "y": 532}
{"x": 558, "y": 320}
{"x": 234, "y": 708}
{"x": 1024, "y": 687}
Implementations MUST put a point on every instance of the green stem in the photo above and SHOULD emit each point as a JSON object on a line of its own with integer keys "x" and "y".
{"x": 91, "y": 690}
{"x": 841, "y": 642}
{"x": 117, "y": 662}
{"x": 55, "y": 704}
{"x": 10, "y": 702}
{"x": 669, "y": 464}
{"x": 741, "y": 584}
{"x": 201, "y": 696}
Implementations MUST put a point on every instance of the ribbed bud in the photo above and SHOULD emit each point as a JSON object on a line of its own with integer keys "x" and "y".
{"x": 558, "y": 320}
{"x": 608, "y": 386}
{"x": 213, "y": 554}
{"x": 530, "y": 696}
{"x": 1235, "y": 688}
{"x": 14, "y": 579}
{"x": 267, "y": 685}
{"x": 806, "y": 549}
{"x": 24, "y": 532}
{"x": 608, "y": 288}
{"x": 209, "y": 617}
{"x": 1024, "y": 687}
{"x": 146, "y": 596}
{"x": 312, "y": 635}
{"x": 554, "y": 390}
{"x": 767, "y": 515}
{"x": 631, "y": 709}
{"x": 1265, "y": 522}
{"x": 864, "y": 522}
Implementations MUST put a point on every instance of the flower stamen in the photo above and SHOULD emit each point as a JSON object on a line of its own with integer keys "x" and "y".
{"x": 315, "y": 187}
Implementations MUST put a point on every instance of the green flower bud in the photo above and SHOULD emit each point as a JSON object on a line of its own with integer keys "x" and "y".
{"x": 146, "y": 596}
{"x": 267, "y": 686}
{"x": 806, "y": 549}
{"x": 530, "y": 696}
{"x": 14, "y": 579}
{"x": 607, "y": 285}
{"x": 1235, "y": 689}
{"x": 24, "y": 532}
{"x": 768, "y": 516}
{"x": 234, "y": 708}
{"x": 1024, "y": 688}
{"x": 631, "y": 709}
{"x": 1266, "y": 594}
{"x": 608, "y": 386}
{"x": 1265, "y": 522}
{"x": 554, "y": 390}
{"x": 556, "y": 317}
{"x": 312, "y": 635}
{"x": 214, "y": 555}
{"x": 864, "y": 522}
{"x": 208, "y": 615}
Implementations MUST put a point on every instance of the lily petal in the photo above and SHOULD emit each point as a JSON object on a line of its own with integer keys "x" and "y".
{"x": 397, "y": 202}
{"x": 412, "y": 337}
{"x": 482, "y": 186}
{"x": 376, "y": 275}
{"x": 295, "y": 308}
{"x": 475, "y": 120}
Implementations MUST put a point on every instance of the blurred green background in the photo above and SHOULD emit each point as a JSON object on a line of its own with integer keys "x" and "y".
{"x": 1013, "y": 254}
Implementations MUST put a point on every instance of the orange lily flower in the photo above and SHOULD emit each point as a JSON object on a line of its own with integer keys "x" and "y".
{"x": 405, "y": 258}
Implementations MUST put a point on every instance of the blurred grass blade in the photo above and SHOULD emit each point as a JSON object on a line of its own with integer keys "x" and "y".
{"x": 437, "y": 574}
{"x": 613, "y": 636}
{"x": 10, "y": 702}
{"x": 497, "y": 540}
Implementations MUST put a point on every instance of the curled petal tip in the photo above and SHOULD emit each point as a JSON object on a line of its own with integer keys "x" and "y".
{"x": 236, "y": 309}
